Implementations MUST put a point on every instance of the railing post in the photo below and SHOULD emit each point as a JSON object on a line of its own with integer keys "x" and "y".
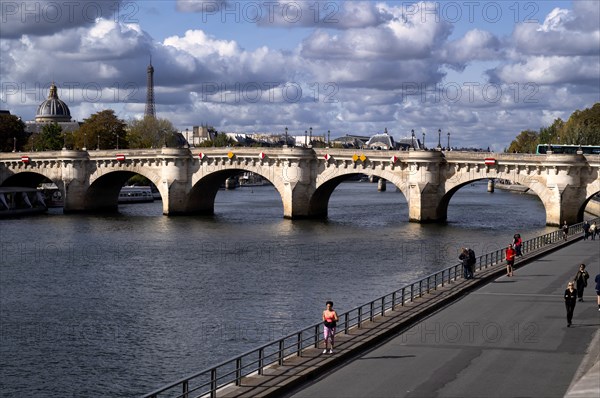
{"x": 403, "y": 295}
{"x": 393, "y": 300}
{"x": 412, "y": 291}
{"x": 383, "y": 306}
{"x": 316, "y": 336}
{"x": 261, "y": 359}
{"x": 346, "y": 326}
{"x": 280, "y": 355}
{"x": 213, "y": 383}
{"x": 185, "y": 389}
{"x": 238, "y": 371}
{"x": 371, "y": 310}
{"x": 359, "y": 316}
{"x": 299, "y": 344}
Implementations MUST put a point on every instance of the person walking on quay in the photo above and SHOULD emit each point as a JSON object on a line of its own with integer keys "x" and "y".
{"x": 570, "y": 301}
{"x": 580, "y": 280}
{"x": 565, "y": 230}
{"x": 518, "y": 243}
{"x": 510, "y": 260}
{"x": 597, "y": 280}
{"x": 586, "y": 230}
{"x": 330, "y": 319}
{"x": 593, "y": 230}
{"x": 466, "y": 264}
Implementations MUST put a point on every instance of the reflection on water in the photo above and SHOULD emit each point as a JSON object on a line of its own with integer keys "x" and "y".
{"x": 118, "y": 305}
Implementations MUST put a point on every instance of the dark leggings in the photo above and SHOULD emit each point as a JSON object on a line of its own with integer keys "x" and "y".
{"x": 570, "y": 309}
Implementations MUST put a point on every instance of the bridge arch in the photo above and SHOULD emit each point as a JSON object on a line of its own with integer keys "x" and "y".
{"x": 319, "y": 200}
{"x": 29, "y": 179}
{"x": 201, "y": 197}
{"x": 102, "y": 194}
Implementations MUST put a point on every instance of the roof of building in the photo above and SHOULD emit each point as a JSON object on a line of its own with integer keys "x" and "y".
{"x": 53, "y": 108}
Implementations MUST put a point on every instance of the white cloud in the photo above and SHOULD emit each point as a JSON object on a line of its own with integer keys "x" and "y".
{"x": 46, "y": 17}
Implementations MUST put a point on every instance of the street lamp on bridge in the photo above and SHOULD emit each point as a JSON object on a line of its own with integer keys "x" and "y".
{"x": 448, "y": 140}
{"x": 413, "y": 139}
{"x": 286, "y": 137}
{"x": 439, "y": 146}
{"x": 423, "y": 141}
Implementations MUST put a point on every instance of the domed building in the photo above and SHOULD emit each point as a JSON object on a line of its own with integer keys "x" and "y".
{"x": 52, "y": 110}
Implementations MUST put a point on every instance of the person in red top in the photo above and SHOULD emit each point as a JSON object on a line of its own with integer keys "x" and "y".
{"x": 518, "y": 243}
{"x": 510, "y": 260}
{"x": 330, "y": 319}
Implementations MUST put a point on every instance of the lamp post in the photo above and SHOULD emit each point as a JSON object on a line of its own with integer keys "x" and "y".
{"x": 84, "y": 141}
{"x": 439, "y": 147}
{"x": 187, "y": 138}
{"x": 448, "y": 140}
{"x": 14, "y": 144}
{"x": 64, "y": 141}
{"x": 310, "y": 136}
{"x": 117, "y": 134}
{"x": 328, "y": 137}
{"x": 286, "y": 137}
{"x": 423, "y": 141}
{"x": 164, "y": 138}
{"x": 98, "y": 147}
{"x": 412, "y": 140}
{"x": 305, "y": 135}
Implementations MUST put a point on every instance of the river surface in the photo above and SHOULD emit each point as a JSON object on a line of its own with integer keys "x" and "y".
{"x": 116, "y": 306}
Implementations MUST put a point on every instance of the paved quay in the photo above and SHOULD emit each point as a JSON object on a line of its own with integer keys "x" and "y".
{"x": 491, "y": 336}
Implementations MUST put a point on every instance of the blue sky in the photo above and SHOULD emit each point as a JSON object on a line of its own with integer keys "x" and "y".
{"x": 483, "y": 70}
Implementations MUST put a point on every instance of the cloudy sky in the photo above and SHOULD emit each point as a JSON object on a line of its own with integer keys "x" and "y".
{"x": 483, "y": 71}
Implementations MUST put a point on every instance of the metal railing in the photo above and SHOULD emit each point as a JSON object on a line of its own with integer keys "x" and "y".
{"x": 206, "y": 383}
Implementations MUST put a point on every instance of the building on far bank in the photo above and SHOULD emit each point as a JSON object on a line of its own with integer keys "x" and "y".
{"x": 52, "y": 110}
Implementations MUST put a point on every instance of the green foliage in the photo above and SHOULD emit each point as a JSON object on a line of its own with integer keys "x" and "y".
{"x": 50, "y": 138}
{"x": 582, "y": 128}
{"x": 151, "y": 132}
{"x": 139, "y": 179}
{"x": 11, "y": 128}
{"x": 102, "y": 128}
{"x": 525, "y": 142}
{"x": 222, "y": 140}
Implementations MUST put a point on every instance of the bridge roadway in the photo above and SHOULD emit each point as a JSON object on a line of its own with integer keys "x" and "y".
{"x": 503, "y": 337}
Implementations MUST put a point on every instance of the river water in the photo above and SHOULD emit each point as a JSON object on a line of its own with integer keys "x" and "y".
{"x": 116, "y": 306}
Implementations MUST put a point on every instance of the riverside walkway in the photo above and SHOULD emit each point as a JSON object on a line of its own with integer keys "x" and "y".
{"x": 491, "y": 336}
{"x": 508, "y": 338}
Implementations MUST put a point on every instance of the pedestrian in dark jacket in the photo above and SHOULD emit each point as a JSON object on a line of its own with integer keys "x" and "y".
{"x": 580, "y": 279}
{"x": 570, "y": 301}
{"x": 464, "y": 258}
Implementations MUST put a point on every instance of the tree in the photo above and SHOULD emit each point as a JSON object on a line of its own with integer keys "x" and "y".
{"x": 151, "y": 132}
{"x": 12, "y": 131}
{"x": 583, "y": 127}
{"x": 50, "y": 138}
{"x": 104, "y": 129}
{"x": 525, "y": 142}
{"x": 551, "y": 135}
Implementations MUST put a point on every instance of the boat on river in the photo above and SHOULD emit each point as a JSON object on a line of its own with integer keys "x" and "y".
{"x": 20, "y": 201}
{"x": 136, "y": 194}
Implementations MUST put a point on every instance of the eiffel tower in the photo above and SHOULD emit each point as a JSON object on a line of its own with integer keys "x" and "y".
{"x": 150, "y": 109}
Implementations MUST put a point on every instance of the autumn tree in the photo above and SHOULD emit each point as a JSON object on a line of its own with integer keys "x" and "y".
{"x": 12, "y": 133}
{"x": 152, "y": 132}
{"x": 525, "y": 142}
{"x": 583, "y": 127}
{"x": 103, "y": 130}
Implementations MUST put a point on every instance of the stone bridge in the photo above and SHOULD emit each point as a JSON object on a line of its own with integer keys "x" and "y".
{"x": 305, "y": 178}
